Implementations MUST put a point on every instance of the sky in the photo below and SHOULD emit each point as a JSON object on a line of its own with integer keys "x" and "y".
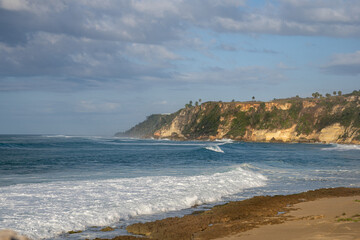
{"x": 96, "y": 67}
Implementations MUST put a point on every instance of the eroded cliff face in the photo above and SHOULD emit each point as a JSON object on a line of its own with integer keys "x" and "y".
{"x": 330, "y": 134}
{"x": 328, "y": 120}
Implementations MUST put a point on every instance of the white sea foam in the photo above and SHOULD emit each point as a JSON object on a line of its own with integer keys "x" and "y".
{"x": 47, "y": 209}
{"x": 156, "y": 143}
{"x": 342, "y": 147}
{"x": 56, "y": 136}
{"x": 214, "y": 148}
{"x": 224, "y": 140}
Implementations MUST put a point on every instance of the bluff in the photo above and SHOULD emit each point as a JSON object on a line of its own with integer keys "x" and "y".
{"x": 331, "y": 119}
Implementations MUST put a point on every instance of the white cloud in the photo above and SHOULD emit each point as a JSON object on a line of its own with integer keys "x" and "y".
{"x": 137, "y": 41}
{"x": 240, "y": 75}
{"x": 157, "y": 8}
{"x": 89, "y": 106}
{"x": 233, "y": 3}
{"x": 151, "y": 52}
{"x": 34, "y": 6}
{"x": 344, "y": 64}
{"x": 14, "y": 5}
{"x": 284, "y": 66}
{"x": 325, "y": 11}
{"x": 251, "y": 23}
{"x": 163, "y": 102}
{"x": 293, "y": 17}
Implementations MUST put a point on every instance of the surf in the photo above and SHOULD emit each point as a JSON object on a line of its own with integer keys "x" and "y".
{"x": 342, "y": 147}
{"x": 214, "y": 148}
{"x": 48, "y": 209}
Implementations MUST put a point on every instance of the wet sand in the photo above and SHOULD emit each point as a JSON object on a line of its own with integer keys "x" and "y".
{"x": 315, "y": 214}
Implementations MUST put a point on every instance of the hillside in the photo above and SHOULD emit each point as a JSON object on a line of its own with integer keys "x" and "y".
{"x": 331, "y": 119}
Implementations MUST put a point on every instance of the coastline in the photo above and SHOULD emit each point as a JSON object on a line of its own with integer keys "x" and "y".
{"x": 231, "y": 220}
{"x": 357, "y": 143}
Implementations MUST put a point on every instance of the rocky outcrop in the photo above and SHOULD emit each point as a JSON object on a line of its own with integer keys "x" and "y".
{"x": 333, "y": 119}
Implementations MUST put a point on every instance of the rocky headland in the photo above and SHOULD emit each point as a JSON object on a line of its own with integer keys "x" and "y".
{"x": 331, "y": 119}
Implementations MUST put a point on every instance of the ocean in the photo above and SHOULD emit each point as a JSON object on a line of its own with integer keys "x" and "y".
{"x": 52, "y": 184}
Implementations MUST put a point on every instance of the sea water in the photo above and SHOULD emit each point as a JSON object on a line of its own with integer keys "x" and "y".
{"x": 53, "y": 184}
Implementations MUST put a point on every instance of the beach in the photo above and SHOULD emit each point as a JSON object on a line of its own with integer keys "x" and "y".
{"x": 328, "y": 218}
{"x": 321, "y": 214}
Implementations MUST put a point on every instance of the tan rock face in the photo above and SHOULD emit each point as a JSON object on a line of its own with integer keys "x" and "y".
{"x": 285, "y": 135}
{"x": 174, "y": 128}
{"x": 247, "y": 106}
{"x": 269, "y": 106}
{"x": 331, "y": 133}
{"x": 308, "y": 104}
{"x": 177, "y": 125}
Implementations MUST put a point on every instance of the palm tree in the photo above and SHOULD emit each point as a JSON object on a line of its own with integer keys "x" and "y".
{"x": 315, "y": 95}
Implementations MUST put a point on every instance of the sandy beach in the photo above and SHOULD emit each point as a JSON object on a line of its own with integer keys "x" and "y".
{"x": 321, "y": 214}
{"x": 328, "y": 218}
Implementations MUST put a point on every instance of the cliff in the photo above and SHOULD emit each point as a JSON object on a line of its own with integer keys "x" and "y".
{"x": 334, "y": 119}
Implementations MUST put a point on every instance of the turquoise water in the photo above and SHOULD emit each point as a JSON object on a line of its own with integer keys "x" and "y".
{"x": 53, "y": 184}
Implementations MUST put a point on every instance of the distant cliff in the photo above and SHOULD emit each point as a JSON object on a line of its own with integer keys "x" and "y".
{"x": 331, "y": 119}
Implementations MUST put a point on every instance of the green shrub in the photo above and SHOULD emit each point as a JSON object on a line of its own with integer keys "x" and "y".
{"x": 295, "y": 109}
{"x": 239, "y": 124}
{"x": 305, "y": 124}
{"x": 208, "y": 124}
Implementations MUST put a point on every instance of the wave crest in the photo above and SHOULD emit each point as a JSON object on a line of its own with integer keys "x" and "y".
{"x": 214, "y": 148}
{"x": 342, "y": 147}
{"x": 47, "y": 209}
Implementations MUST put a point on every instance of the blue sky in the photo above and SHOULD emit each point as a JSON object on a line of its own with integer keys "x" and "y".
{"x": 95, "y": 67}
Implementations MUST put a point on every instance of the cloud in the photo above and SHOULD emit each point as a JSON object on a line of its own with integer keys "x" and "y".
{"x": 264, "y": 50}
{"x": 284, "y": 66}
{"x": 14, "y": 5}
{"x": 344, "y": 64}
{"x": 151, "y": 52}
{"x": 226, "y": 47}
{"x": 241, "y": 75}
{"x": 89, "y": 106}
{"x": 296, "y": 17}
{"x": 59, "y": 56}
{"x": 161, "y": 21}
{"x": 163, "y": 102}
{"x": 48, "y": 44}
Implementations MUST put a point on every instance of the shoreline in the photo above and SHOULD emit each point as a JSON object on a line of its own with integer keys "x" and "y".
{"x": 229, "y": 220}
{"x": 356, "y": 143}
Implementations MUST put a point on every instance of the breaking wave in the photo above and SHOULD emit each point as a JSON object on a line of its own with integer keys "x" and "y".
{"x": 214, "y": 148}
{"x": 342, "y": 147}
{"x": 47, "y": 209}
